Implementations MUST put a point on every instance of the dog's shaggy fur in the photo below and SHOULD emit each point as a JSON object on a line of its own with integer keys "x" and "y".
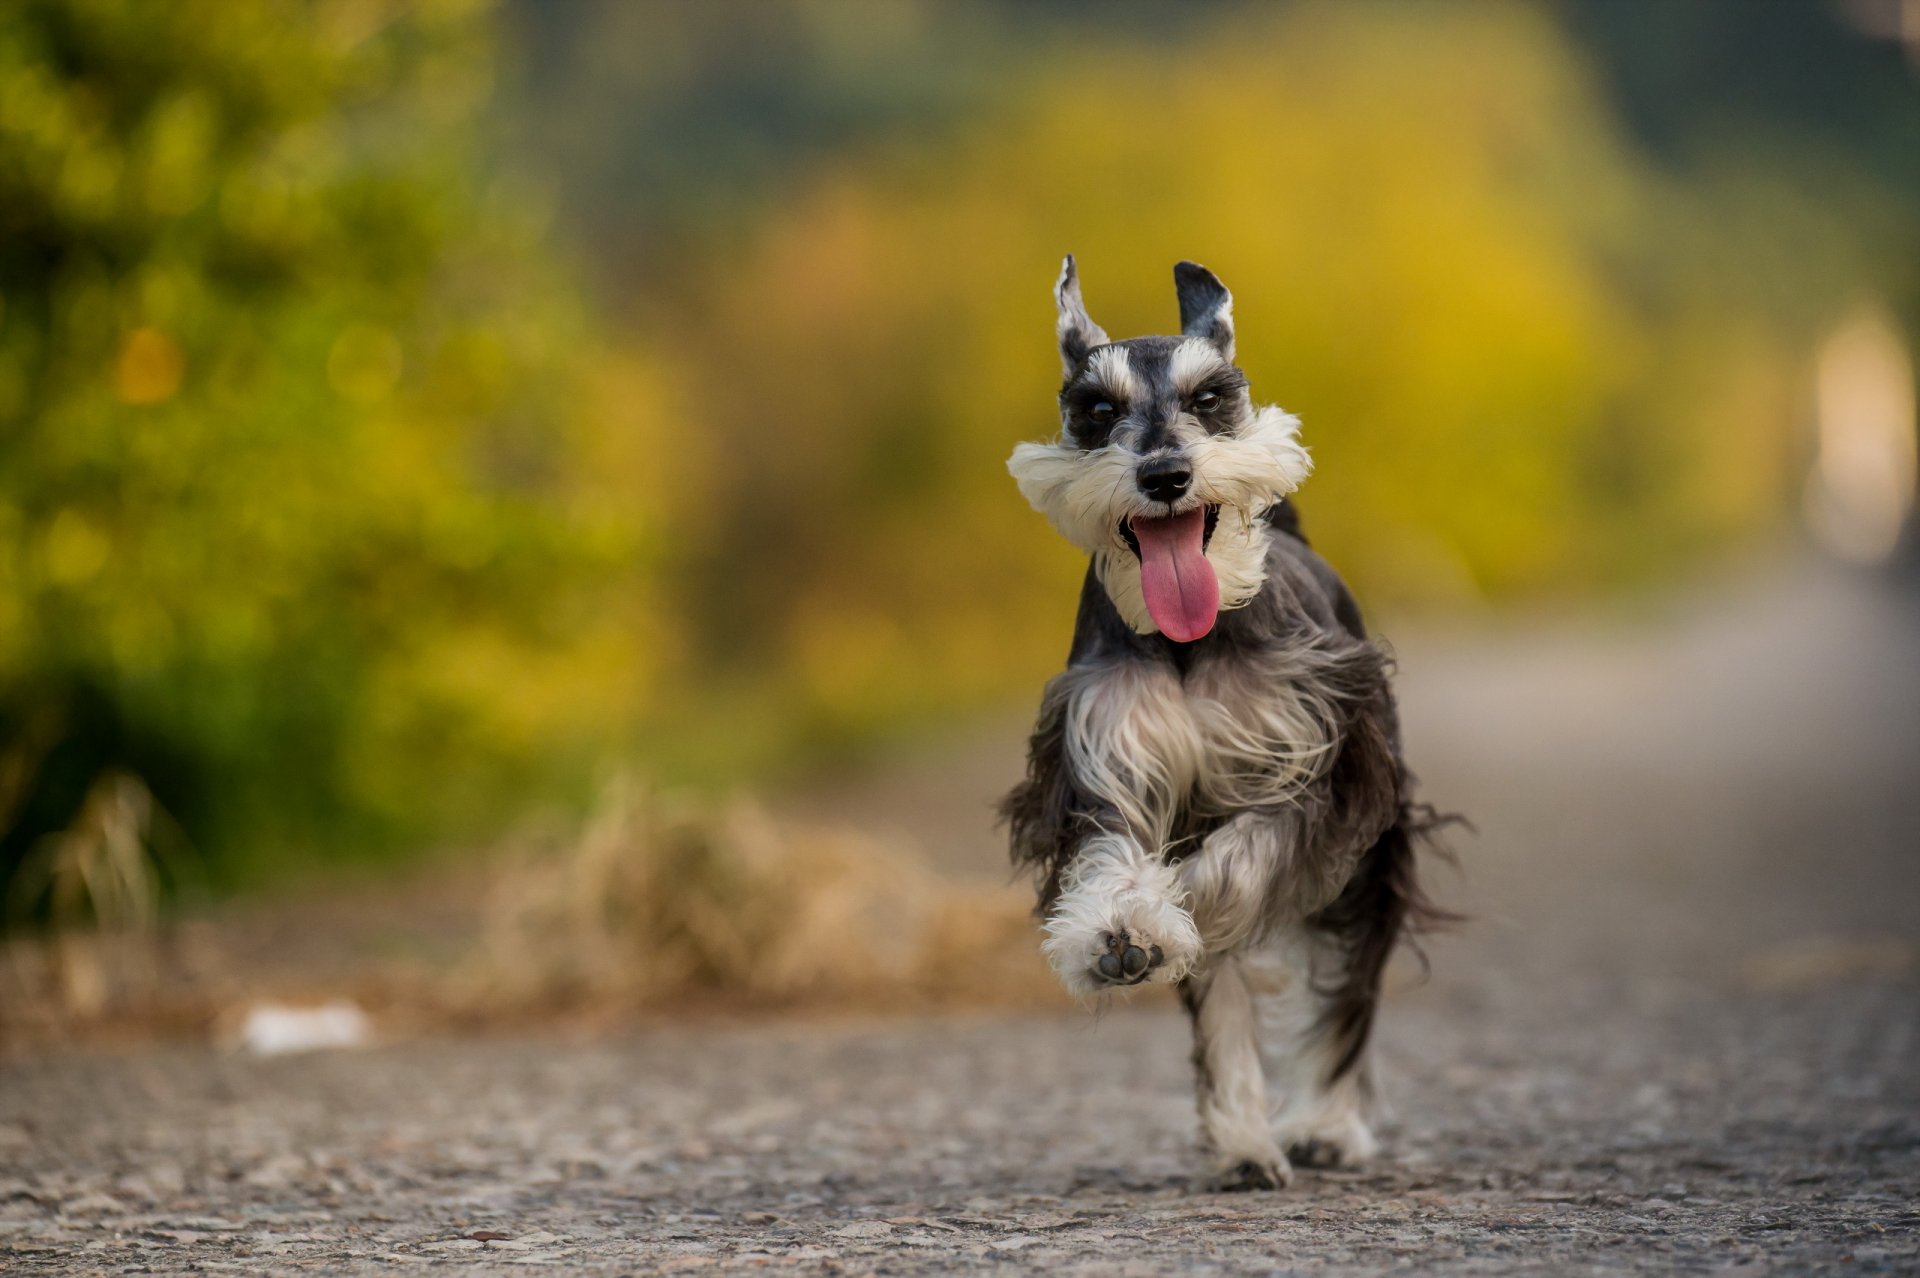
{"x": 1229, "y": 813}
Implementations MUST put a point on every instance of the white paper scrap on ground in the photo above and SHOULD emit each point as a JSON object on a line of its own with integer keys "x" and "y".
{"x": 273, "y": 1030}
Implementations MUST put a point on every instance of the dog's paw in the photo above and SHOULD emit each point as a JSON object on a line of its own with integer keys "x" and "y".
{"x": 1247, "y": 1175}
{"x": 1344, "y": 1142}
{"x": 1318, "y": 1153}
{"x": 1118, "y": 941}
{"x": 1119, "y": 922}
{"x": 1120, "y": 952}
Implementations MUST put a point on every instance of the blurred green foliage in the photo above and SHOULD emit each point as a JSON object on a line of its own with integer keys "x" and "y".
{"x": 317, "y": 499}
{"x": 333, "y": 506}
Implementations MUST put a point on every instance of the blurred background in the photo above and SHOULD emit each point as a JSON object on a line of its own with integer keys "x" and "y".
{"x": 502, "y": 505}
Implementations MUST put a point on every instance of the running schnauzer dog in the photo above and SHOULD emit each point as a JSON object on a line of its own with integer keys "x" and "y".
{"x": 1215, "y": 797}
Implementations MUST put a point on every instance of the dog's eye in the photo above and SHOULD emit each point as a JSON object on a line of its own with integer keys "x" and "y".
{"x": 1102, "y": 412}
{"x": 1205, "y": 402}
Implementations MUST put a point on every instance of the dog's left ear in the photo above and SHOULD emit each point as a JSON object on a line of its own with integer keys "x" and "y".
{"x": 1206, "y": 308}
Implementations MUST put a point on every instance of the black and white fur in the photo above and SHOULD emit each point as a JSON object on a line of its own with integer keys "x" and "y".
{"x": 1228, "y": 815}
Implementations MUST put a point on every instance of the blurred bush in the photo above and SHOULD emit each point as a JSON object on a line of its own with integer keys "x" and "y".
{"x": 320, "y": 507}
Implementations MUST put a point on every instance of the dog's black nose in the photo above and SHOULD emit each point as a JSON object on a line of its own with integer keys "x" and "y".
{"x": 1164, "y": 478}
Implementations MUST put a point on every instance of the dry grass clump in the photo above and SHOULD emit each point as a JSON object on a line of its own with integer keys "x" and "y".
{"x": 96, "y": 886}
{"x": 657, "y": 906}
{"x": 663, "y": 901}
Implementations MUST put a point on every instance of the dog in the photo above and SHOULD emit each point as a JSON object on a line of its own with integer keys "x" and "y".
{"x": 1214, "y": 796}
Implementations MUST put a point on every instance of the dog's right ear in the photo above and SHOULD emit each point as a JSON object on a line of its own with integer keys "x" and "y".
{"x": 1078, "y": 333}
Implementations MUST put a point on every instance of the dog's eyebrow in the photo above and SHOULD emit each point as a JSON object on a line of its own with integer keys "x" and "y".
{"x": 1193, "y": 362}
{"x": 1112, "y": 371}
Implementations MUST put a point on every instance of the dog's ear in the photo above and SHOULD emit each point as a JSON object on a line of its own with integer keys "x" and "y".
{"x": 1206, "y": 308}
{"x": 1078, "y": 333}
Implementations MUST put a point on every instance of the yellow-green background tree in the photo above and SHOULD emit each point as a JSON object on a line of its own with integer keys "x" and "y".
{"x": 318, "y": 507}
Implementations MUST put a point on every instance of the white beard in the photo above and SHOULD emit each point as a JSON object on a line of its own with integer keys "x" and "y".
{"x": 1085, "y": 493}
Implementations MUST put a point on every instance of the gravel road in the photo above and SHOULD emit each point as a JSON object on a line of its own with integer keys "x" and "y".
{"x": 1683, "y": 1035}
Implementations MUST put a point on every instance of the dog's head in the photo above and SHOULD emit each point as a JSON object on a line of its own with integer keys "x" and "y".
{"x": 1164, "y": 466}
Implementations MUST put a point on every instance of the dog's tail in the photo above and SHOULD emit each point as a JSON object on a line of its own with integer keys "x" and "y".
{"x": 1384, "y": 902}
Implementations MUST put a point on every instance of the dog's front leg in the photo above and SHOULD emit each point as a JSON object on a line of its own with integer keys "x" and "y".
{"x": 1238, "y": 876}
{"x": 1235, "y": 1119}
{"x": 1119, "y": 919}
{"x": 1254, "y": 883}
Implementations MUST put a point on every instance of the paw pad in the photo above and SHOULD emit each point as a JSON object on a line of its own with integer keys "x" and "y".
{"x": 1126, "y": 963}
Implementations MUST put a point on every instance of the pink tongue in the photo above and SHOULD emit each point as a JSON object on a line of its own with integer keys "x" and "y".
{"x": 1181, "y": 590}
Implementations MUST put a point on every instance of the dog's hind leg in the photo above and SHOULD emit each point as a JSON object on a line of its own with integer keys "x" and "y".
{"x": 1235, "y": 1116}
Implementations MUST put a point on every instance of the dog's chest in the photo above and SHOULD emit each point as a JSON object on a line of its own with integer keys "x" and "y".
{"x": 1229, "y": 735}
